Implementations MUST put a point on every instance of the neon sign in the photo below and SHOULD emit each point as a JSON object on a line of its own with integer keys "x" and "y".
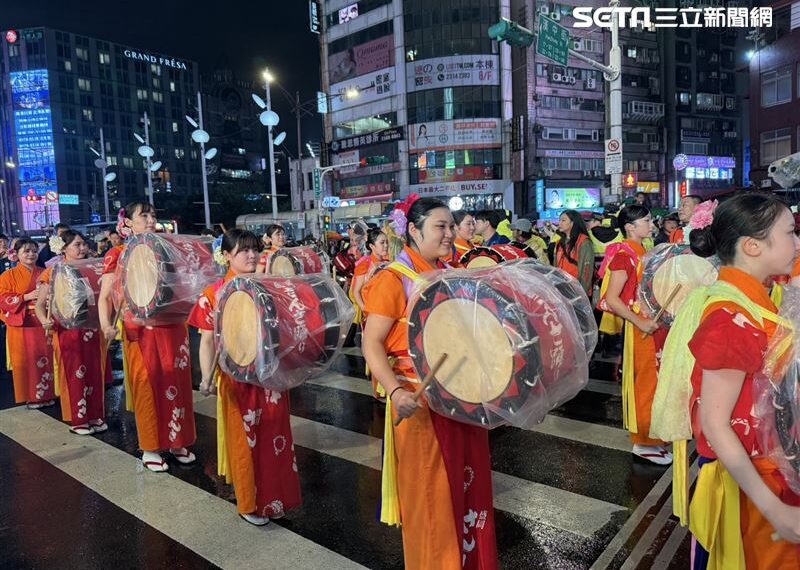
{"x": 33, "y": 125}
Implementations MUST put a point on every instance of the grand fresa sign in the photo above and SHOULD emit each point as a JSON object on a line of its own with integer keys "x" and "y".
{"x": 160, "y": 60}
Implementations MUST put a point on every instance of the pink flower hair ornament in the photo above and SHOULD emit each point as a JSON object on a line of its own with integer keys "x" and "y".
{"x": 123, "y": 230}
{"x": 703, "y": 215}
{"x": 399, "y": 215}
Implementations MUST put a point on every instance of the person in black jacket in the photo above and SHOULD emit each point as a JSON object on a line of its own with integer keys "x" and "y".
{"x": 45, "y": 254}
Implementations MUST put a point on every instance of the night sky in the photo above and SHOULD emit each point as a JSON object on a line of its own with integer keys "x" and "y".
{"x": 243, "y": 35}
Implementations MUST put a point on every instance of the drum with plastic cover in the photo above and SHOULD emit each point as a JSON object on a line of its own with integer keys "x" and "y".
{"x": 302, "y": 260}
{"x": 163, "y": 275}
{"x": 479, "y": 257}
{"x": 278, "y": 332}
{"x": 515, "y": 348}
{"x": 75, "y": 288}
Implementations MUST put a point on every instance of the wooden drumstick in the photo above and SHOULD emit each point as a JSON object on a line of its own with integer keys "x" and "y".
{"x": 116, "y": 325}
{"x": 425, "y": 382}
{"x": 49, "y": 312}
{"x": 672, "y": 294}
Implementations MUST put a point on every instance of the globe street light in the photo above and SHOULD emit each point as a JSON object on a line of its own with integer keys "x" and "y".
{"x": 269, "y": 119}
{"x": 201, "y": 137}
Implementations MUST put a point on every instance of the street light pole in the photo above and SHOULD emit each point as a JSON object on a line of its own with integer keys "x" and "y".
{"x": 273, "y": 189}
{"x": 149, "y": 160}
{"x": 615, "y": 91}
{"x": 299, "y": 152}
{"x": 105, "y": 182}
{"x": 206, "y": 206}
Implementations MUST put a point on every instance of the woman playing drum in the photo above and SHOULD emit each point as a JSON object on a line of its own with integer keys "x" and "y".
{"x": 255, "y": 421}
{"x": 159, "y": 364}
{"x": 432, "y": 452}
{"x": 277, "y": 237}
{"x": 80, "y": 352}
{"x": 31, "y": 356}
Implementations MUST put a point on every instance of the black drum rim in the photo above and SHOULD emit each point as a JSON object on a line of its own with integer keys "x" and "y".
{"x": 528, "y": 364}
{"x": 163, "y": 295}
{"x": 297, "y": 265}
{"x": 329, "y": 305}
{"x": 481, "y": 251}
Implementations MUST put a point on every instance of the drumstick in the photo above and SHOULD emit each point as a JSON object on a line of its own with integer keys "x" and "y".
{"x": 116, "y": 325}
{"x": 49, "y": 312}
{"x": 426, "y": 382}
{"x": 660, "y": 312}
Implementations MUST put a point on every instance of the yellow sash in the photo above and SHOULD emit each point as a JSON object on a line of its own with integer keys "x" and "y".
{"x": 715, "y": 520}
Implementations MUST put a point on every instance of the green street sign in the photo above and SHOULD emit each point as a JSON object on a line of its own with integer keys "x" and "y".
{"x": 317, "y": 183}
{"x": 553, "y": 41}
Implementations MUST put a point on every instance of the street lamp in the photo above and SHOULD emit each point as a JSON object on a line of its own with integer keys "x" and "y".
{"x": 269, "y": 119}
{"x": 147, "y": 152}
{"x": 10, "y": 164}
{"x": 201, "y": 137}
{"x": 102, "y": 164}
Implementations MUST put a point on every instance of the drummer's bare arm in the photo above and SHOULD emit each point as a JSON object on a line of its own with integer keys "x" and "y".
{"x": 207, "y": 362}
{"x": 375, "y": 353}
{"x": 105, "y": 306}
{"x": 41, "y": 305}
{"x": 615, "y": 286}
{"x": 357, "y": 286}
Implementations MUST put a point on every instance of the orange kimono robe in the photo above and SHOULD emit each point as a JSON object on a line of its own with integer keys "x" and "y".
{"x": 265, "y": 255}
{"x": 677, "y": 236}
{"x": 84, "y": 368}
{"x": 257, "y": 431}
{"x": 730, "y": 338}
{"x": 159, "y": 369}
{"x": 363, "y": 268}
{"x": 645, "y": 352}
{"x": 443, "y": 466}
{"x": 31, "y": 356}
{"x": 460, "y": 247}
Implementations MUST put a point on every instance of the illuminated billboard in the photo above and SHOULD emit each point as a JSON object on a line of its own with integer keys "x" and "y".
{"x": 36, "y": 164}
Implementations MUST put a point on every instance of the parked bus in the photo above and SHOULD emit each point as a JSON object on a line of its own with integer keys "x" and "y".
{"x": 91, "y": 230}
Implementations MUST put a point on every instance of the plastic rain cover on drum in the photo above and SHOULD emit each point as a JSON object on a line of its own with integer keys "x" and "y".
{"x": 163, "y": 275}
{"x": 74, "y": 289}
{"x": 515, "y": 348}
{"x": 302, "y": 260}
{"x": 777, "y": 394}
{"x": 278, "y": 332}
{"x": 666, "y": 266}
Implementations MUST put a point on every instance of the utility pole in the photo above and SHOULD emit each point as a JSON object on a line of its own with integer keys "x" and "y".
{"x": 105, "y": 182}
{"x": 615, "y": 91}
{"x": 299, "y": 152}
{"x": 149, "y": 160}
{"x": 206, "y": 206}
{"x": 273, "y": 189}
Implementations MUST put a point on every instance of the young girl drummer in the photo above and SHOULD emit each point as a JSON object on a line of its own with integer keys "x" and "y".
{"x": 741, "y": 498}
{"x": 255, "y": 422}
{"x": 640, "y": 356}
{"x": 447, "y": 524}
{"x": 83, "y": 361}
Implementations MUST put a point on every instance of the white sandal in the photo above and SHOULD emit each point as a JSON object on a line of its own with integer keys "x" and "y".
{"x": 183, "y": 456}
{"x": 84, "y": 429}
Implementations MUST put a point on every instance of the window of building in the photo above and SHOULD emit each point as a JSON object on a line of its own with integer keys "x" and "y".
{"x": 775, "y": 144}
{"x": 156, "y": 83}
{"x": 155, "y": 69}
{"x": 82, "y": 53}
{"x": 88, "y": 115}
{"x": 105, "y": 58}
{"x": 175, "y": 127}
{"x": 84, "y": 84}
{"x": 141, "y": 94}
{"x": 67, "y": 65}
{"x": 158, "y": 97}
{"x": 172, "y": 86}
{"x": 127, "y": 162}
{"x": 631, "y": 52}
{"x": 179, "y": 153}
{"x": 776, "y": 87}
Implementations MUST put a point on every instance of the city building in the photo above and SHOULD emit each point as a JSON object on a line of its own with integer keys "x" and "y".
{"x": 559, "y": 120}
{"x": 230, "y": 113}
{"x": 306, "y": 176}
{"x": 706, "y": 108}
{"x": 58, "y": 91}
{"x": 775, "y": 92}
{"x": 418, "y": 101}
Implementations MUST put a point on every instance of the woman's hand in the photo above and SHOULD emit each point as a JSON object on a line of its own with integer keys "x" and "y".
{"x": 110, "y": 333}
{"x": 786, "y": 520}
{"x": 405, "y": 403}
{"x": 32, "y": 296}
{"x": 646, "y": 325}
{"x": 208, "y": 386}
{"x": 47, "y": 324}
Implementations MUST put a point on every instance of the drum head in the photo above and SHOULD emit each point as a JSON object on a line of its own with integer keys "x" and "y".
{"x": 690, "y": 271}
{"x": 142, "y": 275}
{"x": 480, "y": 363}
{"x": 282, "y": 266}
{"x": 239, "y": 319}
{"x": 65, "y": 298}
{"x": 481, "y": 262}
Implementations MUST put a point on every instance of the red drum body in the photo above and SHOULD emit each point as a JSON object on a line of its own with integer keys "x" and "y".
{"x": 525, "y": 248}
{"x": 304, "y": 260}
{"x": 279, "y": 332}
{"x": 74, "y": 289}
{"x": 515, "y": 350}
{"x": 163, "y": 275}
{"x": 480, "y": 257}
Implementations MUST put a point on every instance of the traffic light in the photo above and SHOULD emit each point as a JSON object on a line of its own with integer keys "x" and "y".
{"x": 511, "y": 32}
{"x": 327, "y": 220}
